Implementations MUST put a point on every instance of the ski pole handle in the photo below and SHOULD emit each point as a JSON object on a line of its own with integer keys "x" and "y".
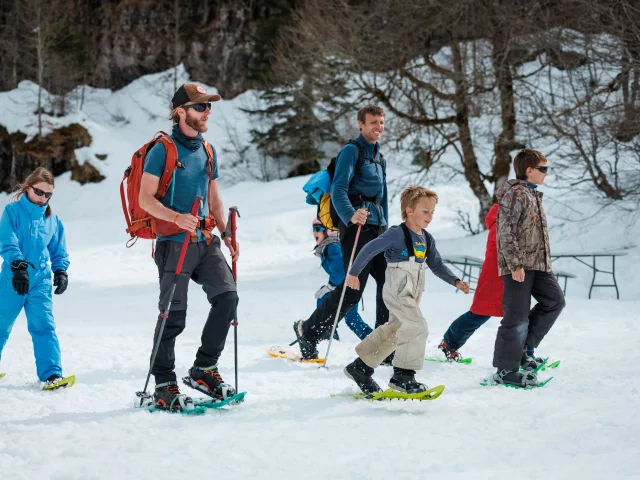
{"x": 231, "y": 232}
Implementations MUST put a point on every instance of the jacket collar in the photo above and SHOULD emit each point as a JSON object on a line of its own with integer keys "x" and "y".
{"x": 34, "y": 210}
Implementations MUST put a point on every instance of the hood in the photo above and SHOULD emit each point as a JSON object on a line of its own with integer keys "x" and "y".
{"x": 508, "y": 185}
{"x": 492, "y": 216}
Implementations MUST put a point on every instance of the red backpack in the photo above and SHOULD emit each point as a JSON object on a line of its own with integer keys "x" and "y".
{"x": 141, "y": 224}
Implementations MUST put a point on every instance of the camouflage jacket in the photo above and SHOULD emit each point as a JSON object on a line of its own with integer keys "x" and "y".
{"x": 523, "y": 240}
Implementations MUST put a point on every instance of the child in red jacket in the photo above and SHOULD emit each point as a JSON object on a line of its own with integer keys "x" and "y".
{"x": 487, "y": 302}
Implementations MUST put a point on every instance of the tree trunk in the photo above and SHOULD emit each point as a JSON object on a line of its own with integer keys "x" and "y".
{"x": 506, "y": 141}
{"x": 470, "y": 161}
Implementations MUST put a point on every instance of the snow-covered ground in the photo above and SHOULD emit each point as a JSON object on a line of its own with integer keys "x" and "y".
{"x": 583, "y": 424}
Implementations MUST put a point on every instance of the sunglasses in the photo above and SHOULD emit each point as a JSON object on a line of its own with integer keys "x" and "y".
{"x": 41, "y": 193}
{"x": 542, "y": 169}
{"x": 318, "y": 228}
{"x": 199, "y": 107}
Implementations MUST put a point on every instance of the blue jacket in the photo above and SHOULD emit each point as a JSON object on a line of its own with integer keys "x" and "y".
{"x": 27, "y": 234}
{"x": 331, "y": 262}
{"x": 370, "y": 182}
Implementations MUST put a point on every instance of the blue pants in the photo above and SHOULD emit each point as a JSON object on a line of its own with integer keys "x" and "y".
{"x": 38, "y": 308}
{"x": 353, "y": 320}
{"x": 462, "y": 328}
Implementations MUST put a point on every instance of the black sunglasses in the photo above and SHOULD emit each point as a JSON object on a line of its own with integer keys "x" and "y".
{"x": 542, "y": 169}
{"x": 199, "y": 107}
{"x": 41, "y": 193}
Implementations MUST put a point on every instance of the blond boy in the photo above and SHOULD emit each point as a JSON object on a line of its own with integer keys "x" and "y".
{"x": 407, "y": 249}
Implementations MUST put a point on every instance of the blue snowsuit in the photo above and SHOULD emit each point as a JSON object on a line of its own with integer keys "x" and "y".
{"x": 27, "y": 234}
{"x": 331, "y": 261}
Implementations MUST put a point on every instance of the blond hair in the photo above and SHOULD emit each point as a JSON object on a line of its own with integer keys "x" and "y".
{"x": 40, "y": 174}
{"x": 411, "y": 195}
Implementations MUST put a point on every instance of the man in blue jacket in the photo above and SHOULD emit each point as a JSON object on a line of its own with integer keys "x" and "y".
{"x": 359, "y": 195}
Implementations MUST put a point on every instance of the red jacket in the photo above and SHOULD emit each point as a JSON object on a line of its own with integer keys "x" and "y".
{"x": 487, "y": 299}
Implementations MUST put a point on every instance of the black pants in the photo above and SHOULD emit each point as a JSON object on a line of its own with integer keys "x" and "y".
{"x": 521, "y": 325}
{"x": 206, "y": 266}
{"x": 321, "y": 321}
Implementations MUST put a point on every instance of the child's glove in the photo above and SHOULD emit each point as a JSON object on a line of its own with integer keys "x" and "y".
{"x": 20, "y": 280}
{"x": 323, "y": 290}
{"x": 60, "y": 280}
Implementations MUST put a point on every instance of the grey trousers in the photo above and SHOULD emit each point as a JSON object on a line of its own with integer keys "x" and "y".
{"x": 521, "y": 324}
{"x": 206, "y": 266}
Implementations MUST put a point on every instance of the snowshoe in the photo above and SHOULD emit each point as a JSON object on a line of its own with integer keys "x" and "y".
{"x": 308, "y": 349}
{"x": 57, "y": 381}
{"x": 450, "y": 353}
{"x": 167, "y": 396}
{"x": 529, "y": 363}
{"x": 208, "y": 381}
{"x": 518, "y": 379}
{"x": 362, "y": 374}
{"x": 405, "y": 381}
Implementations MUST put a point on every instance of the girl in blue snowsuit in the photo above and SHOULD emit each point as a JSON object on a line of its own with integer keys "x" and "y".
{"x": 330, "y": 253}
{"x": 31, "y": 236}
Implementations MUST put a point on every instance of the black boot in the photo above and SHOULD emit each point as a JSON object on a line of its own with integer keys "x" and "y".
{"x": 528, "y": 362}
{"x": 519, "y": 379}
{"x": 388, "y": 362}
{"x": 362, "y": 374}
{"x": 308, "y": 349}
{"x": 208, "y": 381}
{"x": 405, "y": 381}
{"x": 167, "y": 396}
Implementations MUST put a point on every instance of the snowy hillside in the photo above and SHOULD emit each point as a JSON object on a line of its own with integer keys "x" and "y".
{"x": 583, "y": 424}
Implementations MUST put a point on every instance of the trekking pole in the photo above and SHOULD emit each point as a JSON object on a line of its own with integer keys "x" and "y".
{"x": 344, "y": 289}
{"x": 165, "y": 311}
{"x": 231, "y": 224}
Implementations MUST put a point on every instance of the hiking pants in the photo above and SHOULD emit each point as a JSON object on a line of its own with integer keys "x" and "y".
{"x": 321, "y": 320}
{"x": 462, "y": 328}
{"x": 520, "y": 325}
{"x": 206, "y": 266}
{"x": 38, "y": 308}
{"x": 406, "y": 332}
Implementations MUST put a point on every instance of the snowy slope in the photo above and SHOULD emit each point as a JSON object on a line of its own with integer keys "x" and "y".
{"x": 583, "y": 424}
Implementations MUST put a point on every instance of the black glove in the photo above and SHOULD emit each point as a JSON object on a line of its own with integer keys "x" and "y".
{"x": 20, "y": 280}
{"x": 60, "y": 280}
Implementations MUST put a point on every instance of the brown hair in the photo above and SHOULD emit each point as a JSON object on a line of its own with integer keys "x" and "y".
{"x": 527, "y": 158}
{"x": 370, "y": 109}
{"x": 173, "y": 116}
{"x": 40, "y": 174}
{"x": 411, "y": 195}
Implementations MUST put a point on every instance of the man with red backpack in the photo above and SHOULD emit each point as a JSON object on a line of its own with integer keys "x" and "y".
{"x": 195, "y": 174}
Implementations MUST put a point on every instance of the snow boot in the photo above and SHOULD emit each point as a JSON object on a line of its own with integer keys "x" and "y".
{"x": 167, "y": 396}
{"x": 528, "y": 362}
{"x": 451, "y": 353}
{"x": 405, "y": 381}
{"x": 519, "y": 379}
{"x": 208, "y": 381}
{"x": 308, "y": 349}
{"x": 388, "y": 362}
{"x": 362, "y": 374}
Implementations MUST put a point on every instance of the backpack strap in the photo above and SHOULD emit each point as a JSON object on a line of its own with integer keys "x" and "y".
{"x": 170, "y": 163}
{"x": 408, "y": 242}
{"x": 207, "y": 224}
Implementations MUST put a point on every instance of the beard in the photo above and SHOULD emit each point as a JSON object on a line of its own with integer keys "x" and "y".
{"x": 199, "y": 125}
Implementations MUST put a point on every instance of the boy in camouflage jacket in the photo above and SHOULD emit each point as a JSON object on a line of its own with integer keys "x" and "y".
{"x": 524, "y": 262}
